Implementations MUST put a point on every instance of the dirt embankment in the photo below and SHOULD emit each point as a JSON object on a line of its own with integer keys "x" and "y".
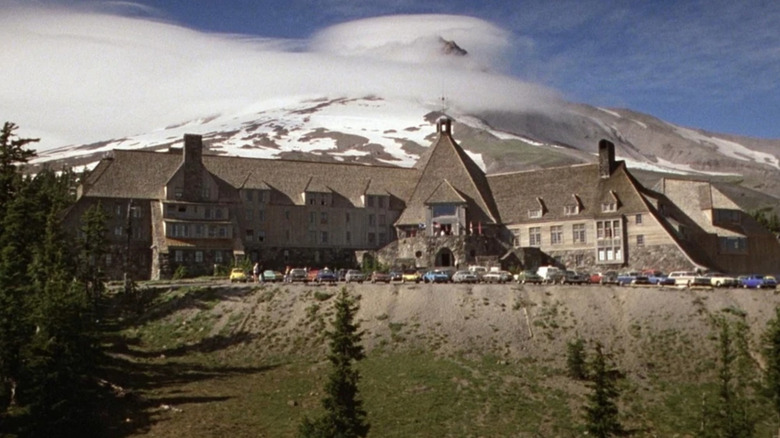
{"x": 643, "y": 327}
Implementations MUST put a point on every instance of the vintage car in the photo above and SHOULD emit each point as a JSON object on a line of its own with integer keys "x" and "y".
{"x": 325, "y": 276}
{"x": 355, "y": 275}
{"x": 497, "y": 277}
{"x": 572, "y": 277}
{"x": 464, "y": 276}
{"x": 608, "y": 277}
{"x": 410, "y": 275}
{"x": 272, "y": 276}
{"x": 238, "y": 275}
{"x": 380, "y": 277}
{"x": 524, "y": 277}
{"x": 756, "y": 281}
{"x": 297, "y": 275}
{"x": 719, "y": 279}
{"x": 436, "y": 276}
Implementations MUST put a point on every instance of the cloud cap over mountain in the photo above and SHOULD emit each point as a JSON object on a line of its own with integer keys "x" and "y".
{"x": 81, "y": 76}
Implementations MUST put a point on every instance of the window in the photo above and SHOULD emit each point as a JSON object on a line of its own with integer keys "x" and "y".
{"x": 312, "y": 217}
{"x": 261, "y": 196}
{"x": 733, "y": 245}
{"x": 369, "y": 201}
{"x": 218, "y": 213}
{"x": 640, "y": 240}
{"x": 212, "y": 231}
{"x": 444, "y": 210}
{"x": 381, "y": 201}
{"x": 178, "y": 193}
{"x": 222, "y": 232}
{"x": 371, "y": 220}
{"x": 324, "y": 218}
{"x": 347, "y": 218}
{"x": 371, "y": 238}
{"x": 199, "y": 230}
{"x": 578, "y": 232}
{"x": 609, "y": 241}
{"x": 638, "y": 219}
{"x": 261, "y": 215}
{"x": 535, "y": 214}
{"x": 119, "y": 210}
{"x": 199, "y": 256}
{"x": 571, "y": 210}
{"x": 312, "y": 237}
{"x": 382, "y": 219}
{"x": 535, "y": 236}
{"x": 324, "y": 237}
{"x": 250, "y": 234}
{"x": 118, "y": 230}
{"x": 249, "y": 215}
{"x": 218, "y": 256}
{"x": 516, "y": 238}
{"x": 207, "y": 213}
{"x": 206, "y": 192}
{"x": 249, "y": 195}
{"x": 556, "y": 234}
{"x": 348, "y": 237}
{"x": 311, "y": 198}
{"x": 136, "y": 212}
{"x": 182, "y": 209}
{"x": 261, "y": 236}
{"x": 287, "y": 214}
{"x": 608, "y": 207}
{"x": 178, "y": 256}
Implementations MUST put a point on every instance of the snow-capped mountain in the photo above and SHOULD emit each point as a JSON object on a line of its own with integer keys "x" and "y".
{"x": 373, "y": 130}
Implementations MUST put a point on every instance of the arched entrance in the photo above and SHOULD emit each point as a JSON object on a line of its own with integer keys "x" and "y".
{"x": 445, "y": 258}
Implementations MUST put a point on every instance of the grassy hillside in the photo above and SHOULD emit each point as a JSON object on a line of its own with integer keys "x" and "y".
{"x": 443, "y": 360}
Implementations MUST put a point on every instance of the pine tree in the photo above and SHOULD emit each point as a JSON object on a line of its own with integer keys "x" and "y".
{"x": 771, "y": 352}
{"x": 93, "y": 244}
{"x": 344, "y": 416}
{"x": 576, "y": 359}
{"x": 12, "y": 153}
{"x": 601, "y": 412}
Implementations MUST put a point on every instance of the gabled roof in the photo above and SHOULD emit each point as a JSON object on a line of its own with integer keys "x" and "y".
{"x": 448, "y": 161}
{"x": 445, "y": 194}
{"x": 317, "y": 184}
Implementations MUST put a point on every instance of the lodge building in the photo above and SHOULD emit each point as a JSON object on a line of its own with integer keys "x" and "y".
{"x": 184, "y": 208}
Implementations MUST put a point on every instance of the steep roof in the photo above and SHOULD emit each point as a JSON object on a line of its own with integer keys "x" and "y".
{"x": 143, "y": 175}
{"x": 445, "y": 194}
{"x": 448, "y": 161}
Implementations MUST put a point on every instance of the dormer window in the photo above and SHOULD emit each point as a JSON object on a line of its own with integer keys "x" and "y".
{"x": 535, "y": 214}
{"x": 571, "y": 210}
{"x": 608, "y": 207}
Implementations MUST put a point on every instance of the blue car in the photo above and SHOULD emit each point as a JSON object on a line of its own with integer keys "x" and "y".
{"x": 325, "y": 276}
{"x": 436, "y": 276}
{"x": 756, "y": 281}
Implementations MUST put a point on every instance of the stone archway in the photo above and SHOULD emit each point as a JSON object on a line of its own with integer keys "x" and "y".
{"x": 445, "y": 258}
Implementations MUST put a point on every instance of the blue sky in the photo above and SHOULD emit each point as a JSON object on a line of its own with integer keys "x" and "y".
{"x": 710, "y": 64}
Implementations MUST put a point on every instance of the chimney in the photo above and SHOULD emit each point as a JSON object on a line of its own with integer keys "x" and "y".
{"x": 606, "y": 158}
{"x": 444, "y": 125}
{"x": 193, "y": 166}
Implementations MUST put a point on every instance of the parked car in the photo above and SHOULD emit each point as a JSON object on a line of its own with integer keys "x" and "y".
{"x": 479, "y": 271}
{"x": 608, "y": 277}
{"x": 572, "y": 277}
{"x": 341, "y": 274}
{"x": 658, "y": 278}
{"x": 238, "y": 275}
{"x": 396, "y": 275}
{"x": 682, "y": 278}
{"x": 378, "y": 276}
{"x": 550, "y": 274}
{"x": 626, "y": 278}
{"x": 641, "y": 280}
{"x": 464, "y": 276}
{"x": 272, "y": 276}
{"x": 297, "y": 275}
{"x": 526, "y": 276}
{"x": 756, "y": 281}
{"x": 770, "y": 282}
{"x": 719, "y": 279}
{"x": 326, "y": 276}
{"x": 497, "y": 277}
{"x": 411, "y": 275}
{"x": 355, "y": 275}
{"x": 436, "y": 276}
{"x": 700, "y": 283}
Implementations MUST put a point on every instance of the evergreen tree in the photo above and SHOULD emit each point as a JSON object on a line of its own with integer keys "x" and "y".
{"x": 729, "y": 414}
{"x": 93, "y": 244}
{"x": 601, "y": 412}
{"x": 576, "y": 360}
{"x": 344, "y": 416}
{"x": 12, "y": 153}
{"x": 771, "y": 352}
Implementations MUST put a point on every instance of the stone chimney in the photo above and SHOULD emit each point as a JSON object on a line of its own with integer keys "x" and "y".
{"x": 193, "y": 167}
{"x": 444, "y": 126}
{"x": 606, "y": 158}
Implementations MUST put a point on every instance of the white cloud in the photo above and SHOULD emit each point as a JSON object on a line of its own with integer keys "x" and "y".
{"x": 74, "y": 76}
